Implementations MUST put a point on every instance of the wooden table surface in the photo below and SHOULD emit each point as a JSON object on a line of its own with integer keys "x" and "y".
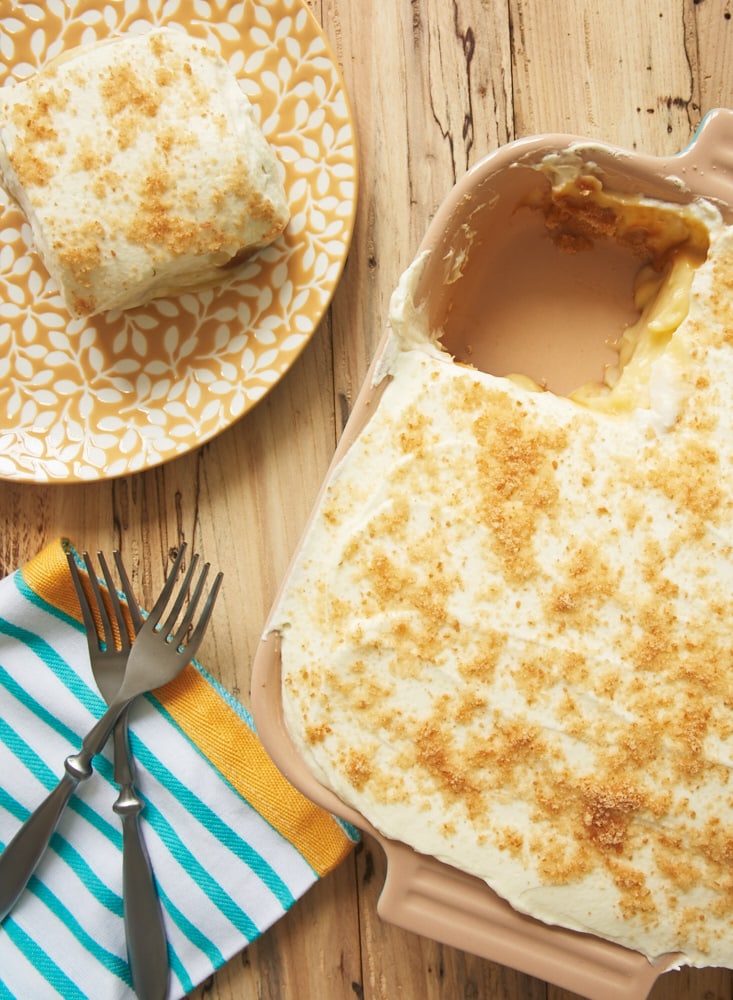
{"x": 434, "y": 86}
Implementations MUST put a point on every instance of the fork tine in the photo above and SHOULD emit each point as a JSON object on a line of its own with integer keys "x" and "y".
{"x": 135, "y": 613}
{"x": 165, "y": 594}
{"x": 86, "y": 612}
{"x": 180, "y": 597}
{"x": 109, "y": 636}
{"x": 192, "y": 605}
{"x": 124, "y": 634}
{"x": 198, "y": 633}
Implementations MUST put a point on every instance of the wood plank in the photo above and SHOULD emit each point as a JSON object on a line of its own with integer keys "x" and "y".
{"x": 615, "y": 72}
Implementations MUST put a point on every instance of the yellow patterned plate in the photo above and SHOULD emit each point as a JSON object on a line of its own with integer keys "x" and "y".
{"x": 110, "y": 395}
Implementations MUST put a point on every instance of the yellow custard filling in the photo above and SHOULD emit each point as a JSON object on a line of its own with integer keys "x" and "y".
{"x": 672, "y": 243}
{"x": 663, "y": 301}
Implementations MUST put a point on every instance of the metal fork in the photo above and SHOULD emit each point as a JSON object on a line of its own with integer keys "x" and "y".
{"x": 109, "y": 650}
{"x": 158, "y": 655}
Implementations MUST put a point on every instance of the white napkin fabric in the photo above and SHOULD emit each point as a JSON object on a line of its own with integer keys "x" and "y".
{"x": 225, "y": 865}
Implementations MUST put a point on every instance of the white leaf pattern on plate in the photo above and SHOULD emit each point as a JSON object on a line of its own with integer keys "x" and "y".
{"x": 111, "y": 395}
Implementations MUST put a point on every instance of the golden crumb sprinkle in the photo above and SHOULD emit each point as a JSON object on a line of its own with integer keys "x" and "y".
{"x": 607, "y": 811}
{"x": 85, "y": 256}
{"x": 358, "y": 769}
{"x": 31, "y": 169}
{"x": 122, "y": 91}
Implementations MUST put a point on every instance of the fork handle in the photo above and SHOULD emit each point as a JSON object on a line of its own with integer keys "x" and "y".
{"x": 147, "y": 945}
{"x": 21, "y": 856}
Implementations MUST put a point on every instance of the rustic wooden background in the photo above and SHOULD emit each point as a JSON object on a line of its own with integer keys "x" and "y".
{"x": 434, "y": 85}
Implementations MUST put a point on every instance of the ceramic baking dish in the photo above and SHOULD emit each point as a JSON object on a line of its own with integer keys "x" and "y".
{"x": 508, "y": 301}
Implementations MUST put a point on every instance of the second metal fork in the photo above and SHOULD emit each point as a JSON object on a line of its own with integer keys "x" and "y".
{"x": 163, "y": 647}
{"x": 109, "y": 649}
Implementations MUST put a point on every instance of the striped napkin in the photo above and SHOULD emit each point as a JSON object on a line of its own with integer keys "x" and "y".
{"x": 232, "y": 844}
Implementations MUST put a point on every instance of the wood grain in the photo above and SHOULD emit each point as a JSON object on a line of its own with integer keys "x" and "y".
{"x": 434, "y": 85}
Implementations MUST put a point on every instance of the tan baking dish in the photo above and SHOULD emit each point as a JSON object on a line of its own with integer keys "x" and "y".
{"x": 481, "y": 248}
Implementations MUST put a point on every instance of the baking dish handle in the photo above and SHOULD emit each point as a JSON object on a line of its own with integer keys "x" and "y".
{"x": 427, "y": 897}
{"x": 706, "y": 164}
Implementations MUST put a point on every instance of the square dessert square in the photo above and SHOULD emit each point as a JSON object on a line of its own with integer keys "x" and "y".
{"x": 141, "y": 169}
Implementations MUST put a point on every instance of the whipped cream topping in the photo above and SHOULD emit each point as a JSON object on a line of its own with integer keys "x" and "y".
{"x": 506, "y": 637}
{"x": 140, "y": 167}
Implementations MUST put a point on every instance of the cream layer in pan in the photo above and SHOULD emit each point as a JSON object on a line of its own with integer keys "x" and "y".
{"x": 506, "y": 638}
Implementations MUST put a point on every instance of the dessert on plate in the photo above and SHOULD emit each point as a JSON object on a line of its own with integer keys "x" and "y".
{"x": 505, "y": 639}
{"x": 141, "y": 169}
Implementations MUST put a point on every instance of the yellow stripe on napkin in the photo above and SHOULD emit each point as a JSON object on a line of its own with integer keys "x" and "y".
{"x": 238, "y": 754}
{"x": 221, "y": 734}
